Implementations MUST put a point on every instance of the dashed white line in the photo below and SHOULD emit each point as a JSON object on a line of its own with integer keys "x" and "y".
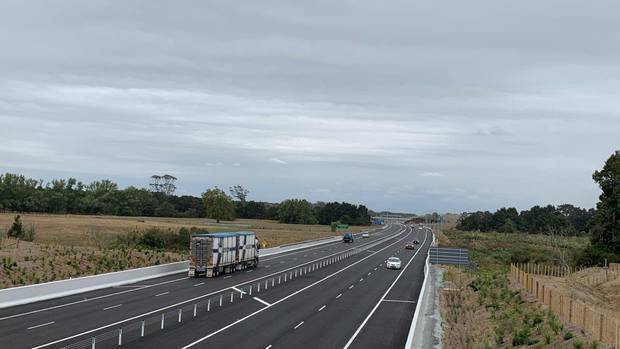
{"x": 267, "y": 266}
{"x": 339, "y": 295}
{"x": 369, "y": 273}
{"x": 41, "y": 325}
{"x": 262, "y": 301}
{"x": 199, "y": 284}
{"x": 323, "y": 307}
{"x": 267, "y": 347}
{"x": 299, "y": 324}
{"x": 227, "y": 277}
{"x": 350, "y": 287}
{"x": 362, "y": 279}
{"x": 162, "y": 294}
{"x": 238, "y": 290}
{"x": 249, "y": 271}
{"x": 112, "y": 307}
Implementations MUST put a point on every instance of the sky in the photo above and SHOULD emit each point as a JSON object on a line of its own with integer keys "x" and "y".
{"x": 411, "y": 106}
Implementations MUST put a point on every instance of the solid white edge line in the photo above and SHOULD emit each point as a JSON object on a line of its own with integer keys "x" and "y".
{"x": 359, "y": 329}
{"x": 289, "y": 296}
{"x": 41, "y": 325}
{"x": 210, "y": 294}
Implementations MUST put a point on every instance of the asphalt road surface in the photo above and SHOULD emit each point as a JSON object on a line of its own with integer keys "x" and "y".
{"x": 338, "y": 295}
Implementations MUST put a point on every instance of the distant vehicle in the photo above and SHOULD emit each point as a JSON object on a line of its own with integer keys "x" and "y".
{"x": 409, "y": 246}
{"x": 212, "y": 254}
{"x": 416, "y": 242}
{"x": 347, "y": 237}
{"x": 393, "y": 263}
{"x": 365, "y": 235}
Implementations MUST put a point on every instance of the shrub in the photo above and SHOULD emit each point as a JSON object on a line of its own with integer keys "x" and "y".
{"x": 568, "y": 335}
{"x": 578, "y": 344}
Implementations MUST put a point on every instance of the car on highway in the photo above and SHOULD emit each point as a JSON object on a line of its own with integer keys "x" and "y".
{"x": 393, "y": 263}
{"x": 409, "y": 246}
{"x": 365, "y": 235}
{"x": 347, "y": 237}
{"x": 416, "y": 242}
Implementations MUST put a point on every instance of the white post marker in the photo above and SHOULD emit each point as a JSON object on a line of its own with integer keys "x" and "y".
{"x": 195, "y": 310}
{"x": 162, "y": 321}
{"x": 142, "y": 329}
{"x": 93, "y": 343}
{"x": 209, "y": 304}
{"x": 120, "y": 336}
{"x": 180, "y": 312}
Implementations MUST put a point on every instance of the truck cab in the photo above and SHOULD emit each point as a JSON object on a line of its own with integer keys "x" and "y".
{"x": 347, "y": 237}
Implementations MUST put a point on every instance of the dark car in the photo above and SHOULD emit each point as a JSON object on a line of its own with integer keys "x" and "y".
{"x": 347, "y": 237}
{"x": 409, "y": 246}
{"x": 416, "y": 242}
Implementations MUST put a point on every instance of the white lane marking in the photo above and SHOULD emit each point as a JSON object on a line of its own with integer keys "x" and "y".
{"x": 267, "y": 266}
{"x": 112, "y": 307}
{"x": 262, "y": 301}
{"x": 375, "y": 268}
{"x": 162, "y": 294}
{"x": 41, "y": 325}
{"x": 128, "y": 286}
{"x": 395, "y": 235}
{"x": 370, "y": 250}
{"x": 362, "y": 279}
{"x": 299, "y": 324}
{"x": 369, "y": 273}
{"x": 350, "y": 287}
{"x": 398, "y": 301}
{"x": 339, "y": 295}
{"x": 238, "y": 290}
{"x": 249, "y": 271}
{"x": 359, "y": 329}
{"x": 267, "y": 347}
{"x": 200, "y": 340}
{"x": 281, "y": 262}
{"x": 199, "y": 284}
{"x": 227, "y": 277}
{"x": 323, "y": 307}
{"x": 89, "y": 299}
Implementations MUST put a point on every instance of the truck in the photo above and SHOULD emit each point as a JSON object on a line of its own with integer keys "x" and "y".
{"x": 347, "y": 237}
{"x": 212, "y": 254}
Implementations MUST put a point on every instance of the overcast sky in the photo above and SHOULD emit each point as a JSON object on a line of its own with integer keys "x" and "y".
{"x": 404, "y": 105}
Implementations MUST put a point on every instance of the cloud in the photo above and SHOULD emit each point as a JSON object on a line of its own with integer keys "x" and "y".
{"x": 362, "y": 109}
{"x": 431, "y": 174}
{"x": 278, "y": 161}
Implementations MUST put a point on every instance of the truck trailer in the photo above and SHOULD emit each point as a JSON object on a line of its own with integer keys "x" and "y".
{"x": 212, "y": 254}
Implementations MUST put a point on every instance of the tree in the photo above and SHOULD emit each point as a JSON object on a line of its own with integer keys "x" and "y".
{"x": 605, "y": 226}
{"x": 239, "y": 192}
{"x": 218, "y": 205}
{"x": 296, "y": 211}
{"x": 17, "y": 228}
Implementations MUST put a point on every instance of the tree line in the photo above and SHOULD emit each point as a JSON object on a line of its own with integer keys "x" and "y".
{"x": 602, "y": 224}
{"x": 104, "y": 197}
{"x": 563, "y": 219}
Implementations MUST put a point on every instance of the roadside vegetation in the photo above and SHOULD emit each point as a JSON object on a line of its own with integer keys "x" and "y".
{"x": 480, "y": 307}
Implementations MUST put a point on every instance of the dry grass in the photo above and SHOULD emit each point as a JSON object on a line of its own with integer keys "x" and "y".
{"x": 84, "y": 230}
{"x": 32, "y": 263}
{"x": 482, "y": 309}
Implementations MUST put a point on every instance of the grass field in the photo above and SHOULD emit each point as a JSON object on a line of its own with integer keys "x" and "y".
{"x": 482, "y": 309}
{"x": 78, "y": 230}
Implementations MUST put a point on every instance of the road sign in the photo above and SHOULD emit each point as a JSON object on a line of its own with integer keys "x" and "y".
{"x": 453, "y": 256}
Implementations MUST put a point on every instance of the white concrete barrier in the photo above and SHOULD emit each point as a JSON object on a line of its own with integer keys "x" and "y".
{"x": 39, "y": 292}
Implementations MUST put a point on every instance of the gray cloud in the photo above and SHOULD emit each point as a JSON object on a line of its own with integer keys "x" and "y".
{"x": 413, "y": 106}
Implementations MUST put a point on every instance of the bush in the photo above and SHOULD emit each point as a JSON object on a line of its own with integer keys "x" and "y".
{"x": 568, "y": 335}
{"x": 17, "y": 229}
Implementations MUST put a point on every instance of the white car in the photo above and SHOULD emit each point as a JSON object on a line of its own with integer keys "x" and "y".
{"x": 393, "y": 263}
{"x": 365, "y": 235}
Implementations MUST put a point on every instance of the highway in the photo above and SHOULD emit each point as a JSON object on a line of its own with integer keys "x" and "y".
{"x": 335, "y": 295}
